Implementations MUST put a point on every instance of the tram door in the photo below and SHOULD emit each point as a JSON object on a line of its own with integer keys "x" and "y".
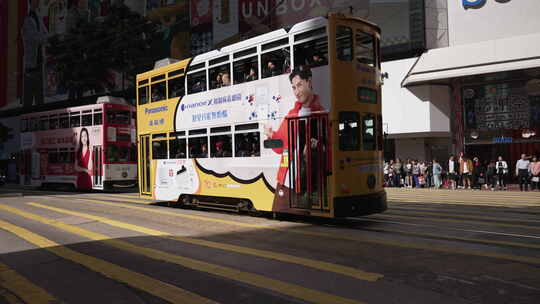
{"x": 144, "y": 165}
{"x": 308, "y": 162}
{"x": 97, "y": 167}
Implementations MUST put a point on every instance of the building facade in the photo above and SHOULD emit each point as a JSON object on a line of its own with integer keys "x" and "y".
{"x": 476, "y": 89}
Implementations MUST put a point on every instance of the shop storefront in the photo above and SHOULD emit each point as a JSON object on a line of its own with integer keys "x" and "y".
{"x": 501, "y": 114}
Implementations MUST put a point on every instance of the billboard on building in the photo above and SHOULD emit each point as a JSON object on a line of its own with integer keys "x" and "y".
{"x": 69, "y": 49}
{"x": 216, "y": 23}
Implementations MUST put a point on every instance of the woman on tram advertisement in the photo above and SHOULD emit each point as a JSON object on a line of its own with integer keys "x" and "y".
{"x": 82, "y": 162}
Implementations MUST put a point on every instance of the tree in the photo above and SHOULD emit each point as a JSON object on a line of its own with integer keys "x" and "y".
{"x": 85, "y": 57}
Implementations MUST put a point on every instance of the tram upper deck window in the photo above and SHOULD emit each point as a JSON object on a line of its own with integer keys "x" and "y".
{"x": 98, "y": 118}
{"x": 157, "y": 89}
{"x": 119, "y": 117}
{"x": 64, "y": 121}
{"x": 344, "y": 45}
{"x": 365, "y": 48}
{"x": 246, "y": 70}
{"x": 220, "y": 76}
{"x": 86, "y": 118}
{"x": 44, "y": 123}
{"x": 75, "y": 120}
{"x": 177, "y": 87}
{"x": 311, "y": 48}
{"x": 143, "y": 92}
{"x": 196, "y": 82}
{"x": 368, "y": 132}
{"x": 53, "y": 122}
{"x": 276, "y": 61}
{"x": 349, "y": 131}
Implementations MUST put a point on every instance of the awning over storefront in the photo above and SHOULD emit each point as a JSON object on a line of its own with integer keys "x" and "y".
{"x": 440, "y": 65}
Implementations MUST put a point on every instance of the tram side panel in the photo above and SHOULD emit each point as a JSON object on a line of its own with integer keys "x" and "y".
{"x": 266, "y": 102}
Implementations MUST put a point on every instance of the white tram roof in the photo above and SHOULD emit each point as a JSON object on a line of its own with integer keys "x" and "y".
{"x": 261, "y": 39}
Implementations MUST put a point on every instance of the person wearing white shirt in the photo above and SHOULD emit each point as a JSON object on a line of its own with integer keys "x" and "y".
{"x": 522, "y": 172}
{"x": 452, "y": 174}
{"x": 502, "y": 170}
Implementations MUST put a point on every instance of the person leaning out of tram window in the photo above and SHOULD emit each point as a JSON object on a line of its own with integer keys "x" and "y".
{"x": 502, "y": 171}
{"x": 534, "y": 168}
{"x": 522, "y": 172}
{"x": 466, "y": 169}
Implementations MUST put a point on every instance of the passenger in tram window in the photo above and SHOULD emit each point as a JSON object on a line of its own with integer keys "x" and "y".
{"x": 197, "y": 87}
{"x": 271, "y": 70}
{"x": 225, "y": 80}
{"x": 319, "y": 60}
{"x": 252, "y": 75}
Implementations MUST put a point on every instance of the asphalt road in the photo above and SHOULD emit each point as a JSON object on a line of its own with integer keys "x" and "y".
{"x": 429, "y": 247}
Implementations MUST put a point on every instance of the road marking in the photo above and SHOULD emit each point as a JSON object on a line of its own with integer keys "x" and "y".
{"x": 464, "y": 203}
{"x": 22, "y": 287}
{"x": 451, "y": 238}
{"x": 136, "y": 201}
{"x": 523, "y": 259}
{"x": 480, "y": 217}
{"x": 157, "y": 288}
{"x": 343, "y": 270}
{"x": 446, "y": 228}
{"x": 455, "y": 221}
{"x": 256, "y": 280}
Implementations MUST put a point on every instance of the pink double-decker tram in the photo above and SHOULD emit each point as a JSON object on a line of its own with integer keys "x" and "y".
{"x": 85, "y": 147}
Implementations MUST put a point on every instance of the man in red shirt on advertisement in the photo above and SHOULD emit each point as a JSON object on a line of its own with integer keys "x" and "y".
{"x": 307, "y": 103}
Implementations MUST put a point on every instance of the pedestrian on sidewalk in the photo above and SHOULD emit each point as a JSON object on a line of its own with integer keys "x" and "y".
{"x": 400, "y": 173}
{"x": 522, "y": 172}
{"x": 491, "y": 173}
{"x": 502, "y": 171}
{"x": 437, "y": 171}
{"x": 452, "y": 173}
{"x": 466, "y": 170}
{"x": 478, "y": 178}
{"x": 534, "y": 168}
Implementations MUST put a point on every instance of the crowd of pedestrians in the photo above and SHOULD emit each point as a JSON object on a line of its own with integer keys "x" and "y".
{"x": 462, "y": 172}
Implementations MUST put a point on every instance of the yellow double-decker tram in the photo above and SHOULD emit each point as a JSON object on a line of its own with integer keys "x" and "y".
{"x": 286, "y": 122}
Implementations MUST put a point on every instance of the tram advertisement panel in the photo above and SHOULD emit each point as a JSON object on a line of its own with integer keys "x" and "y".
{"x": 65, "y": 154}
{"x": 265, "y": 102}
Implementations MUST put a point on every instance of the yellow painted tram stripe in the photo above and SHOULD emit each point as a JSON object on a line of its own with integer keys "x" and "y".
{"x": 455, "y": 221}
{"x": 22, "y": 287}
{"x": 157, "y": 288}
{"x": 260, "y": 281}
{"x": 332, "y": 235}
{"x": 343, "y": 270}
